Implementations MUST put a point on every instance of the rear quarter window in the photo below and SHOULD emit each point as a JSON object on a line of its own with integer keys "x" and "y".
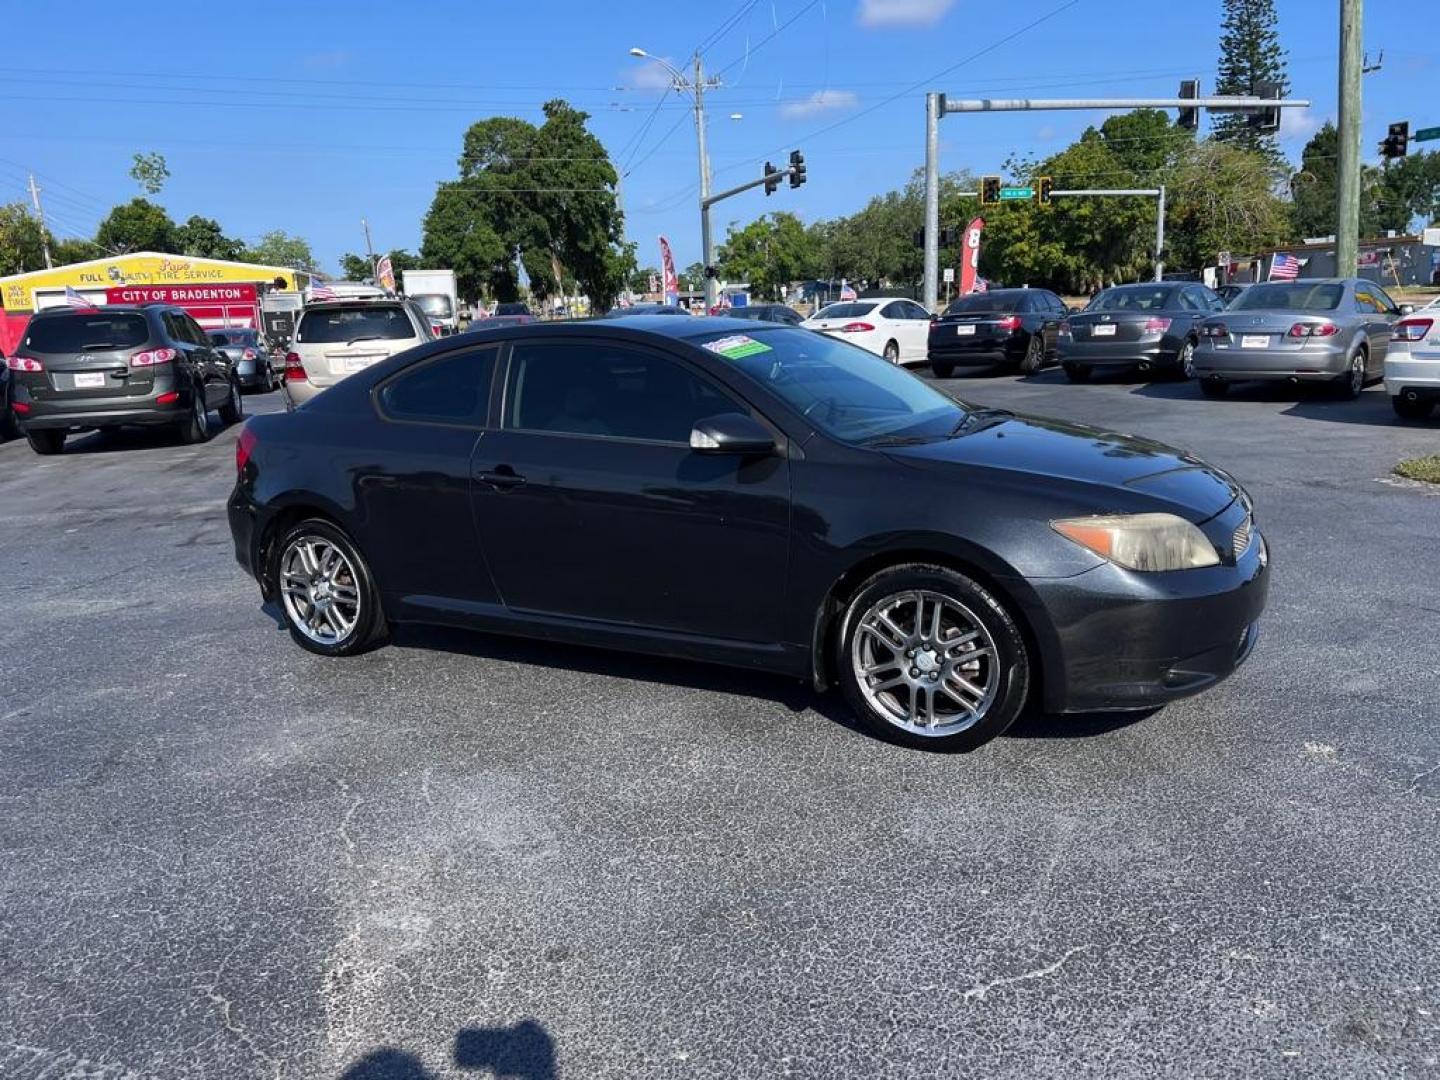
{"x": 86, "y": 333}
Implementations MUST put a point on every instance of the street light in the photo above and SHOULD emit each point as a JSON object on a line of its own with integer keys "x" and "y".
{"x": 696, "y": 89}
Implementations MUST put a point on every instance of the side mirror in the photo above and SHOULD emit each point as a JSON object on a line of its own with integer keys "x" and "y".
{"x": 934, "y": 316}
{"x": 1407, "y": 309}
{"x": 731, "y": 433}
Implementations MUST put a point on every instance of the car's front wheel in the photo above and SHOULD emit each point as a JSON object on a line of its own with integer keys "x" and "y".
{"x": 327, "y": 595}
{"x": 1349, "y": 385}
{"x": 929, "y": 658}
{"x": 195, "y": 428}
{"x": 892, "y": 352}
{"x": 942, "y": 369}
{"x": 46, "y": 441}
{"x": 233, "y": 410}
{"x": 1034, "y": 358}
{"x": 1185, "y": 362}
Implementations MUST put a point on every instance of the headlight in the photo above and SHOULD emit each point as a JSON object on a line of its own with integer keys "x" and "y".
{"x": 1141, "y": 541}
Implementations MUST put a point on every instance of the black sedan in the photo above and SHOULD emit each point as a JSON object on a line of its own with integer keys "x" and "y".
{"x": 771, "y": 313}
{"x": 1015, "y": 327}
{"x": 1152, "y": 327}
{"x": 760, "y": 496}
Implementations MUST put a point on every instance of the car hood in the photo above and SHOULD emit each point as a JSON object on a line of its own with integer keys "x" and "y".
{"x": 1063, "y": 451}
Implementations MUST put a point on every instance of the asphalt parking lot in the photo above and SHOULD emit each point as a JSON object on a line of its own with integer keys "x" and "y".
{"x": 221, "y": 856}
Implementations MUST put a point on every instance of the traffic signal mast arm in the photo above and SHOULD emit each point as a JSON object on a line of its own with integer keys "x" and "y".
{"x": 795, "y": 171}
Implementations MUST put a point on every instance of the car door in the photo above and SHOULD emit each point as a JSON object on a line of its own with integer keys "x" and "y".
{"x": 918, "y": 320}
{"x": 215, "y": 366}
{"x": 195, "y": 360}
{"x": 1374, "y": 326}
{"x": 591, "y": 504}
{"x": 1389, "y": 312}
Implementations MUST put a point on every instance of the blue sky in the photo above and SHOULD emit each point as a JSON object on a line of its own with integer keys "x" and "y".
{"x": 318, "y": 114}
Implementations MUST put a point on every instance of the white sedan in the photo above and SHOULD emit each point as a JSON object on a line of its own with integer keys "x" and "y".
{"x": 898, "y": 330}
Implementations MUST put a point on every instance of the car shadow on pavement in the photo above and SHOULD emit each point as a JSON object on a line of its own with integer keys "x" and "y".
{"x": 523, "y": 1051}
{"x": 1309, "y": 402}
{"x": 127, "y": 439}
{"x": 1034, "y": 724}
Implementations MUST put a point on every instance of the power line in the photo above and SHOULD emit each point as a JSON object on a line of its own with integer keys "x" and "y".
{"x": 768, "y": 37}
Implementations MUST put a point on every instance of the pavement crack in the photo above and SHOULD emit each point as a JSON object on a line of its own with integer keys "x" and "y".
{"x": 1420, "y": 778}
{"x": 979, "y": 990}
{"x": 226, "y": 1009}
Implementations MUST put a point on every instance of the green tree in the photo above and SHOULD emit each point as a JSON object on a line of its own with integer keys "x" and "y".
{"x": 203, "y": 238}
{"x": 1222, "y": 198}
{"x": 545, "y": 195}
{"x": 73, "y": 250}
{"x": 1250, "y": 53}
{"x": 138, "y": 225}
{"x": 1407, "y": 189}
{"x": 355, "y": 267}
{"x": 150, "y": 172}
{"x": 1313, "y": 189}
{"x": 279, "y": 248}
{"x": 770, "y": 252}
{"x": 640, "y": 280}
{"x": 1146, "y": 143}
{"x": 21, "y": 240}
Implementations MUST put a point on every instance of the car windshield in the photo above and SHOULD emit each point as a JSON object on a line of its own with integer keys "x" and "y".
{"x": 437, "y": 304}
{"x": 366, "y": 322}
{"x": 81, "y": 333}
{"x": 232, "y": 337}
{"x": 1134, "y": 298}
{"x": 1299, "y": 296}
{"x": 845, "y": 311}
{"x": 753, "y": 313}
{"x": 981, "y": 302}
{"x": 850, "y": 394}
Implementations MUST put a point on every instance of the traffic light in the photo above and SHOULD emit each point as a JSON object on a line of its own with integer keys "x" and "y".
{"x": 1265, "y": 119}
{"x": 797, "y": 168}
{"x": 1397, "y": 140}
{"x": 1042, "y": 190}
{"x": 1189, "y": 119}
{"x": 772, "y": 178}
{"x": 989, "y": 190}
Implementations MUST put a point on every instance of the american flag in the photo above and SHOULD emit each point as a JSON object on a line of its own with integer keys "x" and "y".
{"x": 1284, "y": 267}
{"x": 847, "y": 291}
{"x": 981, "y": 285}
{"x": 319, "y": 290}
{"x": 74, "y": 299}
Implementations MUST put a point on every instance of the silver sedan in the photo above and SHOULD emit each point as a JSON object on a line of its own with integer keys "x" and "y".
{"x": 1326, "y": 330}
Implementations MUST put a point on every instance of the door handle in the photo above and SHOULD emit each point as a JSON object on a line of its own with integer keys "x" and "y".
{"x": 503, "y": 477}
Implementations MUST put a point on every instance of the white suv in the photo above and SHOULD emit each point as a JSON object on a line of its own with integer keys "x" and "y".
{"x": 338, "y": 338}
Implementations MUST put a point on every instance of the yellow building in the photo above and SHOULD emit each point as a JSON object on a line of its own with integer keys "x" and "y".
{"x": 210, "y": 285}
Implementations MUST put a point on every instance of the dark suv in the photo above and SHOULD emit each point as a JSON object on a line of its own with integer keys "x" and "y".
{"x": 104, "y": 367}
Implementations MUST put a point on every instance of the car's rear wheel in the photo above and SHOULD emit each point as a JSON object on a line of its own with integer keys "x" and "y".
{"x": 46, "y": 441}
{"x": 1185, "y": 362}
{"x": 929, "y": 658}
{"x": 892, "y": 352}
{"x": 1034, "y": 358}
{"x": 1077, "y": 373}
{"x": 1419, "y": 409}
{"x": 233, "y": 410}
{"x": 942, "y": 369}
{"x": 1216, "y": 388}
{"x": 195, "y": 428}
{"x": 327, "y": 595}
{"x": 1349, "y": 385}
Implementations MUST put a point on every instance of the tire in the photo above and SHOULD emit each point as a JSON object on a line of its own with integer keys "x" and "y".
{"x": 969, "y": 697}
{"x": 195, "y": 428}
{"x": 344, "y": 616}
{"x": 942, "y": 369}
{"x": 892, "y": 352}
{"x": 233, "y": 410}
{"x": 9, "y": 428}
{"x": 1185, "y": 362}
{"x": 1076, "y": 373}
{"x": 1349, "y": 385}
{"x": 1034, "y": 358}
{"x": 46, "y": 441}
{"x": 1412, "y": 410}
{"x": 1214, "y": 388}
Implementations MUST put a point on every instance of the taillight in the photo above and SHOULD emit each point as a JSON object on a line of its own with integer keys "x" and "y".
{"x": 1064, "y": 329}
{"x": 151, "y": 357}
{"x": 1412, "y": 329}
{"x": 168, "y": 398}
{"x": 1156, "y": 323}
{"x": 24, "y": 363}
{"x": 244, "y": 447}
{"x": 1009, "y": 322}
{"x": 437, "y": 328}
{"x": 1301, "y": 329}
{"x": 1218, "y": 329}
{"x": 856, "y": 328}
{"x": 248, "y": 354}
{"x": 20, "y": 407}
{"x": 294, "y": 369}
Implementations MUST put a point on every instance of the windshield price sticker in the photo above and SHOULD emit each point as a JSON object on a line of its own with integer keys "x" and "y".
{"x": 737, "y": 347}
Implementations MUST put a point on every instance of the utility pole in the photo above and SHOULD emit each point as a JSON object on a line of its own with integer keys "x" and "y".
{"x": 1160, "y": 237}
{"x": 707, "y": 241}
{"x": 934, "y": 109}
{"x": 1347, "y": 183}
{"x": 370, "y": 250}
{"x": 40, "y": 213}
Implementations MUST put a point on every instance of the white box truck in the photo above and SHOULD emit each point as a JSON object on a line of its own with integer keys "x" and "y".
{"x": 434, "y": 291}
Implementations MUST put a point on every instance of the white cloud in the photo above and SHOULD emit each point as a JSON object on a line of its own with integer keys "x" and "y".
{"x": 650, "y": 75}
{"x": 1298, "y": 123}
{"x": 1046, "y": 133}
{"x": 902, "y": 12}
{"x": 819, "y": 102}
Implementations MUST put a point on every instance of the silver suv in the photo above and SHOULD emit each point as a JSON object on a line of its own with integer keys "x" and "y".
{"x": 340, "y": 337}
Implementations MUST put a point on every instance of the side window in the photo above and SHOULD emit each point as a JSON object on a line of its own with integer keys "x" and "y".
{"x": 197, "y": 335}
{"x": 1190, "y": 301}
{"x": 452, "y": 390}
{"x": 1387, "y": 305}
{"x": 894, "y": 310}
{"x": 595, "y": 388}
{"x": 1365, "y": 303}
{"x": 916, "y": 311}
{"x": 174, "y": 328}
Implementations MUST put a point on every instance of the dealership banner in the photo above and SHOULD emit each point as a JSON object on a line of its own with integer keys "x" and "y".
{"x": 667, "y": 269}
{"x": 970, "y": 256}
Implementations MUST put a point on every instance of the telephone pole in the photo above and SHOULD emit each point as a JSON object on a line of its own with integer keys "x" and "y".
{"x": 40, "y": 213}
{"x": 707, "y": 242}
{"x": 1347, "y": 185}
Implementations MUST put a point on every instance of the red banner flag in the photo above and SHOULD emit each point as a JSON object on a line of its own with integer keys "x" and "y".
{"x": 667, "y": 269}
{"x": 970, "y": 256}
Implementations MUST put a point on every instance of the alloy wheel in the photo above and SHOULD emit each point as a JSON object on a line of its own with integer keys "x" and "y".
{"x": 200, "y": 413}
{"x": 1187, "y": 359}
{"x": 925, "y": 663}
{"x": 320, "y": 589}
{"x": 1357, "y": 374}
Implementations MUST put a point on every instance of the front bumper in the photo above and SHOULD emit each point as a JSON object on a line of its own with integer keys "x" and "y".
{"x": 1129, "y": 640}
{"x": 1120, "y": 354}
{"x": 1308, "y": 363}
